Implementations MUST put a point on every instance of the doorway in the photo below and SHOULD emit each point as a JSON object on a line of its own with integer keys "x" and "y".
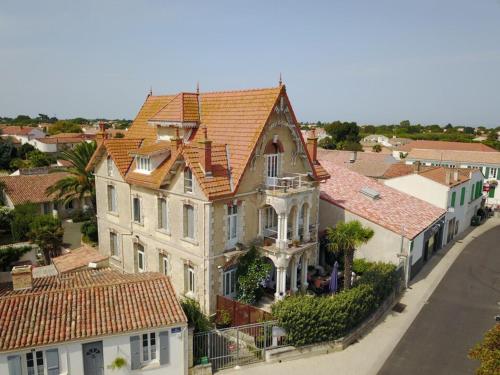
{"x": 93, "y": 361}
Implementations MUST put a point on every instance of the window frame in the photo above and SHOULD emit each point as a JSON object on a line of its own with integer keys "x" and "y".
{"x": 165, "y": 265}
{"x": 151, "y": 348}
{"x": 188, "y": 180}
{"x": 36, "y": 367}
{"x": 143, "y": 164}
{"x": 140, "y": 254}
{"x": 112, "y": 199}
{"x": 229, "y": 283}
{"x": 191, "y": 280}
{"x": 186, "y": 233}
{"x": 139, "y": 200}
{"x": 272, "y": 169}
{"x": 113, "y": 244}
{"x": 163, "y": 223}
{"x": 232, "y": 224}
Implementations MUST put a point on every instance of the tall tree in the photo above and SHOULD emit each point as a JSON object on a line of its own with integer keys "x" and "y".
{"x": 346, "y": 238}
{"x": 80, "y": 183}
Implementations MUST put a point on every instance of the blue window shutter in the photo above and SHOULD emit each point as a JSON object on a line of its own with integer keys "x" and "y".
{"x": 14, "y": 363}
{"x": 164, "y": 348}
{"x": 52, "y": 357}
{"x": 135, "y": 352}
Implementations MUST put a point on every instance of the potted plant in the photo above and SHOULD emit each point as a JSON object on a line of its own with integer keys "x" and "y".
{"x": 296, "y": 243}
{"x": 118, "y": 363}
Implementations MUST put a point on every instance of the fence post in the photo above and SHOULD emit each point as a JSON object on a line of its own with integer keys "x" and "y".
{"x": 237, "y": 346}
{"x": 265, "y": 342}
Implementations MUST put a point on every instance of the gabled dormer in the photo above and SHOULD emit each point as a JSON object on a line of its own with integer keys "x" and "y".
{"x": 148, "y": 157}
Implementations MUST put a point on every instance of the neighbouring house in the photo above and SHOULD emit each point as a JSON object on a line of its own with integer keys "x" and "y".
{"x": 60, "y": 142}
{"x": 487, "y": 162}
{"x": 80, "y": 259}
{"x": 403, "y": 169}
{"x": 384, "y": 140}
{"x": 403, "y": 225}
{"x": 368, "y": 164}
{"x": 23, "y": 134}
{"x": 458, "y": 191}
{"x": 83, "y": 322}
{"x": 440, "y": 145}
{"x": 201, "y": 177}
{"x": 22, "y": 189}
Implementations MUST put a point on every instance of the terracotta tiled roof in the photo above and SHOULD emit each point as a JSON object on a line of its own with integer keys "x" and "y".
{"x": 443, "y": 145}
{"x": 182, "y": 108}
{"x": 119, "y": 149}
{"x": 30, "y": 188}
{"x": 77, "y": 259}
{"x": 401, "y": 169}
{"x": 152, "y": 148}
{"x": 15, "y": 130}
{"x": 235, "y": 121}
{"x": 86, "y": 304}
{"x": 438, "y": 174}
{"x": 392, "y": 211}
{"x": 473, "y": 157}
{"x": 371, "y": 164}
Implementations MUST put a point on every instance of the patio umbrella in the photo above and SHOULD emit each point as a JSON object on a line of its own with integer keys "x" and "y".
{"x": 334, "y": 278}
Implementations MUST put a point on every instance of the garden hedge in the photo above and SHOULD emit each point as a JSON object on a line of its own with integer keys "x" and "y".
{"x": 310, "y": 319}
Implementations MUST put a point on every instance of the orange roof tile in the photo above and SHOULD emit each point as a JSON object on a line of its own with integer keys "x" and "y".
{"x": 77, "y": 259}
{"x": 438, "y": 174}
{"x": 182, "y": 108}
{"x": 444, "y": 145}
{"x": 86, "y": 304}
{"x": 152, "y": 148}
{"x": 30, "y": 188}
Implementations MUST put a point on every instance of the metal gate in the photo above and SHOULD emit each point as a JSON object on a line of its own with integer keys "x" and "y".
{"x": 237, "y": 346}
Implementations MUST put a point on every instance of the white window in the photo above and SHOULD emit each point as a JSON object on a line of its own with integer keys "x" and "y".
{"x": 232, "y": 224}
{"x": 191, "y": 280}
{"x": 113, "y": 244}
{"x": 188, "y": 180}
{"x": 148, "y": 346}
{"x": 270, "y": 218}
{"x": 493, "y": 173}
{"x": 230, "y": 283}
{"x": 164, "y": 265}
{"x": 112, "y": 198}
{"x": 188, "y": 221}
{"x": 162, "y": 214}
{"x": 143, "y": 164}
{"x": 141, "y": 258}
{"x": 42, "y": 362}
{"x": 136, "y": 202}
{"x": 272, "y": 169}
{"x": 109, "y": 165}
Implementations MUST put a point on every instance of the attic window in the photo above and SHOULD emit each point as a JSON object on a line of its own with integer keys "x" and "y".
{"x": 143, "y": 164}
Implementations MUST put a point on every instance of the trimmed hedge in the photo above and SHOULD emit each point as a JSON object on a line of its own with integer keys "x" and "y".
{"x": 308, "y": 319}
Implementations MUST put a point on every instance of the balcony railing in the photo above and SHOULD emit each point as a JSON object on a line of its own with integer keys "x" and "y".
{"x": 271, "y": 235}
{"x": 288, "y": 183}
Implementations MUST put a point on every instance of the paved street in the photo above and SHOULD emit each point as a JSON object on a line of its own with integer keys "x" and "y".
{"x": 457, "y": 314}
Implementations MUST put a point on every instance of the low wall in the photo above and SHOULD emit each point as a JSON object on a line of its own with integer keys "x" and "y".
{"x": 291, "y": 352}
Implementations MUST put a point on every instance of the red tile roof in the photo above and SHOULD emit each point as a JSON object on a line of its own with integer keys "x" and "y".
{"x": 438, "y": 174}
{"x": 393, "y": 211}
{"x": 443, "y": 145}
{"x": 370, "y": 164}
{"x": 86, "y": 304}
{"x": 401, "y": 169}
{"x": 30, "y": 188}
{"x": 473, "y": 157}
{"x": 77, "y": 259}
{"x": 15, "y": 130}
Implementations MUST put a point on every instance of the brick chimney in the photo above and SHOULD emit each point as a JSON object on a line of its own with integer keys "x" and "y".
{"x": 312, "y": 145}
{"x": 101, "y": 134}
{"x": 447, "y": 176}
{"x": 416, "y": 167}
{"x": 175, "y": 142}
{"x": 22, "y": 277}
{"x": 205, "y": 146}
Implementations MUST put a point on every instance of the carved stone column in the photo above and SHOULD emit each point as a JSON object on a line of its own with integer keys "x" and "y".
{"x": 303, "y": 273}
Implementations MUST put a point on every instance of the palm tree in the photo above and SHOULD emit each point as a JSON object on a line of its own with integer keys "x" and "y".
{"x": 346, "y": 237}
{"x": 80, "y": 183}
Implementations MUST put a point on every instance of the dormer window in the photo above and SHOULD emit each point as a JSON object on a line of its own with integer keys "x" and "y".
{"x": 143, "y": 164}
{"x": 188, "y": 181}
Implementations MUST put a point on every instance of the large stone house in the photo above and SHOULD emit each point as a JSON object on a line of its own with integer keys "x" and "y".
{"x": 201, "y": 177}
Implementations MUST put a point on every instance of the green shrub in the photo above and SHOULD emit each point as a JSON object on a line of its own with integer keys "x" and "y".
{"x": 195, "y": 316}
{"x": 22, "y": 217}
{"x": 10, "y": 254}
{"x": 5, "y": 218}
{"x": 360, "y": 266}
{"x": 80, "y": 215}
{"x": 89, "y": 231}
{"x": 309, "y": 319}
{"x": 252, "y": 270}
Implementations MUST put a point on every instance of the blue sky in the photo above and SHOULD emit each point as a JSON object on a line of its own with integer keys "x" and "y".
{"x": 429, "y": 61}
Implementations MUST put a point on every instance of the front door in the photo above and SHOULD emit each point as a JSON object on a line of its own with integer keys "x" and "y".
{"x": 93, "y": 362}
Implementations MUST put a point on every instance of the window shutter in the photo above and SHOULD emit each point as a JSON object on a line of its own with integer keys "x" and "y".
{"x": 52, "y": 356}
{"x": 487, "y": 172}
{"x": 135, "y": 352}
{"x": 462, "y": 197}
{"x": 164, "y": 348}
{"x": 14, "y": 363}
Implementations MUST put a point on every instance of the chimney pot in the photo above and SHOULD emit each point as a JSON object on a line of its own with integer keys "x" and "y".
{"x": 22, "y": 277}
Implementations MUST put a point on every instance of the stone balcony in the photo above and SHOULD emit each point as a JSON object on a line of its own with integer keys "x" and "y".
{"x": 289, "y": 184}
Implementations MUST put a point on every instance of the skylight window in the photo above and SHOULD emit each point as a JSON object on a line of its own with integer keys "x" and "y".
{"x": 369, "y": 192}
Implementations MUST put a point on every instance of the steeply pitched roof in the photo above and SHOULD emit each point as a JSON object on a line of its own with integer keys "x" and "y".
{"x": 234, "y": 120}
{"x": 86, "y": 304}
{"x": 30, "y": 188}
{"x": 473, "y": 157}
{"x": 394, "y": 210}
{"x": 443, "y": 145}
{"x": 77, "y": 259}
{"x": 371, "y": 164}
{"x": 119, "y": 149}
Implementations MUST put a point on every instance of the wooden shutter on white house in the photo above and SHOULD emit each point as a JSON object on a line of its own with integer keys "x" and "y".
{"x": 164, "y": 348}
{"x": 52, "y": 357}
{"x": 14, "y": 363}
{"x": 135, "y": 352}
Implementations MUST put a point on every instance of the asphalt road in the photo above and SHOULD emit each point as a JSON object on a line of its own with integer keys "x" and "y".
{"x": 456, "y": 316}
